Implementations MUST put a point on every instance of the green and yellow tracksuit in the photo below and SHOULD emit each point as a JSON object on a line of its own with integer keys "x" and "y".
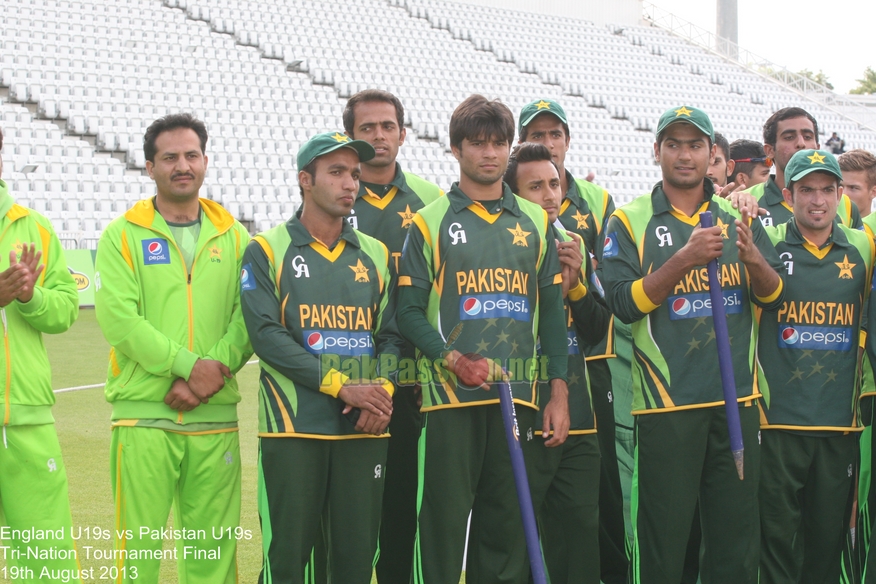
{"x": 160, "y": 317}
{"x": 33, "y": 480}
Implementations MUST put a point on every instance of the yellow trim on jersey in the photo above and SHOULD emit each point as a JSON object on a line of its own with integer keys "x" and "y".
{"x": 814, "y": 250}
{"x": 126, "y": 252}
{"x": 517, "y": 401}
{"x": 133, "y": 424}
{"x": 643, "y": 303}
{"x": 578, "y": 292}
{"x": 478, "y": 209}
{"x": 571, "y": 432}
{"x": 843, "y": 429}
{"x": 332, "y": 383}
{"x": 266, "y": 247}
{"x": 774, "y": 295}
{"x": 558, "y": 279}
{"x": 319, "y": 436}
{"x": 323, "y": 250}
{"x": 682, "y": 216}
{"x": 380, "y": 202}
{"x": 404, "y": 281}
{"x": 283, "y": 413}
{"x": 745, "y": 401}
{"x": 661, "y": 389}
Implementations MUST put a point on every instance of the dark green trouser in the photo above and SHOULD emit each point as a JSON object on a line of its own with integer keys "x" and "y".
{"x": 305, "y": 483}
{"x": 612, "y": 533}
{"x": 805, "y": 495}
{"x": 399, "y": 524}
{"x": 681, "y": 457}
{"x": 464, "y": 462}
{"x": 867, "y": 507}
{"x": 564, "y": 482}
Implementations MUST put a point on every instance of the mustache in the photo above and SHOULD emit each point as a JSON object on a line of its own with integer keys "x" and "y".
{"x": 182, "y": 174}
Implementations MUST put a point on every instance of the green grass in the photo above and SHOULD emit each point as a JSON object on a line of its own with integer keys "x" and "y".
{"x": 80, "y": 357}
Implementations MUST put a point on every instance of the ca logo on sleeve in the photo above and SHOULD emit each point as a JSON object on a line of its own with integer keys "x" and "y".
{"x": 155, "y": 252}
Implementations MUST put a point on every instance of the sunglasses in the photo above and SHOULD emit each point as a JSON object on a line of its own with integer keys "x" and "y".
{"x": 765, "y": 159}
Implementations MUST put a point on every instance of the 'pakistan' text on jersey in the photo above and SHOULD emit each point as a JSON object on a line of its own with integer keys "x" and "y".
{"x": 387, "y": 215}
{"x": 807, "y": 351}
{"x": 675, "y": 359}
{"x": 585, "y": 210}
{"x": 317, "y": 317}
{"x": 769, "y": 197}
{"x": 483, "y": 268}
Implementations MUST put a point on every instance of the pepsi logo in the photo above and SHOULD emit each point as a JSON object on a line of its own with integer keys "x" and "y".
{"x": 155, "y": 248}
{"x": 244, "y": 276}
{"x": 681, "y": 306}
{"x": 315, "y": 341}
{"x": 790, "y": 336}
{"x": 471, "y": 306}
{"x": 607, "y": 245}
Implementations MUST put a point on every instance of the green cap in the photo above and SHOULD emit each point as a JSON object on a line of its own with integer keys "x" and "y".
{"x": 691, "y": 115}
{"x": 530, "y": 110}
{"x": 806, "y": 161}
{"x": 329, "y": 142}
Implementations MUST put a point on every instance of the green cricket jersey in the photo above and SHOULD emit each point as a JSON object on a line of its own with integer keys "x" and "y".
{"x": 385, "y": 211}
{"x": 483, "y": 269}
{"x": 586, "y": 324}
{"x": 807, "y": 351}
{"x": 585, "y": 210}
{"x": 868, "y": 224}
{"x": 318, "y": 317}
{"x": 769, "y": 197}
{"x": 675, "y": 361}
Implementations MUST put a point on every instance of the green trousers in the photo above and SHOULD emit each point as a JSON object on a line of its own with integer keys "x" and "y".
{"x": 199, "y": 476}
{"x": 612, "y": 533}
{"x": 399, "y": 524}
{"x": 310, "y": 484}
{"x": 564, "y": 482}
{"x": 683, "y": 457}
{"x": 465, "y": 466}
{"x": 33, "y": 496}
{"x": 805, "y": 497}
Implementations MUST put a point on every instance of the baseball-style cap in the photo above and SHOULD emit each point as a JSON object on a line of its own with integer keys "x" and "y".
{"x": 530, "y": 110}
{"x": 807, "y": 161}
{"x": 329, "y": 142}
{"x": 691, "y": 115}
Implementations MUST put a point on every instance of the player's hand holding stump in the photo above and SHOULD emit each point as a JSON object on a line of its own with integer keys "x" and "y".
{"x": 703, "y": 246}
{"x": 473, "y": 370}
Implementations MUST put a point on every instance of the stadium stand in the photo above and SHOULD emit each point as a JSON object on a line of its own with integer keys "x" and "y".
{"x": 81, "y": 81}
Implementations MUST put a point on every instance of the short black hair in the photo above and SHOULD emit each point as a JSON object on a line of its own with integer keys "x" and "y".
{"x": 526, "y": 152}
{"x": 480, "y": 118}
{"x": 309, "y": 168}
{"x": 365, "y": 96}
{"x": 172, "y": 122}
{"x": 741, "y": 149}
{"x": 524, "y": 131}
{"x": 722, "y": 143}
{"x": 771, "y": 126}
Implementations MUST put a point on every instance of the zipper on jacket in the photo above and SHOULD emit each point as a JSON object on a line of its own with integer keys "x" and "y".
{"x": 6, "y": 413}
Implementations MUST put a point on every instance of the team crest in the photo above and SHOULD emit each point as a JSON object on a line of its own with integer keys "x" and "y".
{"x": 845, "y": 267}
{"x": 580, "y": 219}
{"x": 215, "y": 254}
{"x": 519, "y": 236}
{"x": 361, "y": 271}
{"x": 407, "y": 217}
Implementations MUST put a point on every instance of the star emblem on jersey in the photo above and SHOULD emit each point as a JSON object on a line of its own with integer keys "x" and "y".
{"x": 519, "y": 236}
{"x": 18, "y": 247}
{"x": 845, "y": 268}
{"x": 407, "y": 216}
{"x": 361, "y": 271}
{"x": 340, "y": 137}
{"x": 683, "y": 111}
{"x": 215, "y": 254}
{"x": 723, "y": 227}
{"x": 543, "y": 105}
{"x": 580, "y": 219}
{"x": 816, "y": 158}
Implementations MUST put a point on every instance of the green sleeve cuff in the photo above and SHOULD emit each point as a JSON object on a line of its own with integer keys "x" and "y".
{"x": 183, "y": 363}
{"x": 35, "y": 302}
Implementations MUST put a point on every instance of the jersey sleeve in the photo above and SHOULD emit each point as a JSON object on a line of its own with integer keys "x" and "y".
{"x": 387, "y": 339}
{"x": 590, "y": 316}
{"x": 234, "y": 348}
{"x": 622, "y": 273}
{"x": 549, "y": 271}
{"x": 766, "y": 247}
{"x": 415, "y": 268}
{"x": 55, "y": 302}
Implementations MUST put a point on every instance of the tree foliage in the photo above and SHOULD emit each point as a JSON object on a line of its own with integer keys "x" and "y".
{"x": 867, "y": 85}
